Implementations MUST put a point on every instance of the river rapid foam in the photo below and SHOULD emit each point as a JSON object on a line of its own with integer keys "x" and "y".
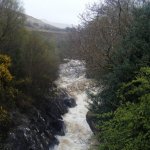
{"x": 78, "y": 133}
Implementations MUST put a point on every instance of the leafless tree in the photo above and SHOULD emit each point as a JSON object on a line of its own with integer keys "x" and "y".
{"x": 11, "y": 19}
{"x": 103, "y": 27}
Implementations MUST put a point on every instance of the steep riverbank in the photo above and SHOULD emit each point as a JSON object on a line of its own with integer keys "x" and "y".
{"x": 36, "y": 127}
{"x": 50, "y": 125}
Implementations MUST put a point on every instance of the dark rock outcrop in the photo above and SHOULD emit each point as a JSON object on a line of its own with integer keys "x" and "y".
{"x": 70, "y": 102}
{"x": 35, "y": 129}
{"x": 91, "y": 119}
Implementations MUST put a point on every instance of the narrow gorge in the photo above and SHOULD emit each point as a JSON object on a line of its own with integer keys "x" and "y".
{"x": 78, "y": 133}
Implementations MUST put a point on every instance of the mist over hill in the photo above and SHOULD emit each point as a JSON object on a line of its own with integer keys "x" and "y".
{"x": 43, "y": 25}
{"x": 56, "y": 24}
{"x": 50, "y": 33}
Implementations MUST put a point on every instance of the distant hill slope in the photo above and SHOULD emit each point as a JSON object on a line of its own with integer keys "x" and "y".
{"x": 38, "y": 25}
{"x": 54, "y": 35}
{"x": 58, "y": 25}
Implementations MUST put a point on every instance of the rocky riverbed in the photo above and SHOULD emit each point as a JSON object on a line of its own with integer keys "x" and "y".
{"x": 35, "y": 129}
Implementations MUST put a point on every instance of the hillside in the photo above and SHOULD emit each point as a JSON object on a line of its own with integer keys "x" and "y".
{"x": 49, "y": 33}
{"x": 39, "y": 25}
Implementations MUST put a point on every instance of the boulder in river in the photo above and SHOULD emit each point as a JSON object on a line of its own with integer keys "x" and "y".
{"x": 70, "y": 102}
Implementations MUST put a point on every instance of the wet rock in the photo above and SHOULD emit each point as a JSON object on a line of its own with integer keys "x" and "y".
{"x": 25, "y": 138}
{"x": 35, "y": 129}
{"x": 70, "y": 102}
{"x": 59, "y": 127}
{"x": 91, "y": 119}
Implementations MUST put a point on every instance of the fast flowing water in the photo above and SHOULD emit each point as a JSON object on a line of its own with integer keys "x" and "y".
{"x": 72, "y": 79}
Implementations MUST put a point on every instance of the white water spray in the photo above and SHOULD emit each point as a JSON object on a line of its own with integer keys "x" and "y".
{"x": 72, "y": 79}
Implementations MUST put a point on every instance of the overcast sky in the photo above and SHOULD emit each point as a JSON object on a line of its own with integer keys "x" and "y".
{"x": 59, "y": 11}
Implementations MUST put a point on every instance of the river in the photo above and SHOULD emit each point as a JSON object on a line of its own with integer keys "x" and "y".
{"x": 72, "y": 78}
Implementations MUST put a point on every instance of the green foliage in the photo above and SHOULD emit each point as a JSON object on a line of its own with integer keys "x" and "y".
{"x": 5, "y": 75}
{"x": 34, "y": 62}
{"x": 39, "y": 65}
{"x": 28, "y": 65}
{"x": 123, "y": 105}
{"x": 130, "y": 126}
{"x": 6, "y": 91}
{"x": 11, "y": 22}
{"x": 133, "y": 90}
{"x": 132, "y": 54}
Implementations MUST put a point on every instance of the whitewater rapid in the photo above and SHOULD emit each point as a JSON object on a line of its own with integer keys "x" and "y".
{"x": 78, "y": 133}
